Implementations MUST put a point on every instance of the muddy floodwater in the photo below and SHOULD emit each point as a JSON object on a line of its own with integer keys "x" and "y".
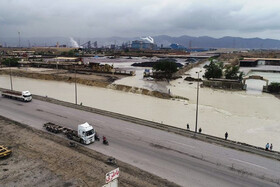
{"x": 250, "y": 118}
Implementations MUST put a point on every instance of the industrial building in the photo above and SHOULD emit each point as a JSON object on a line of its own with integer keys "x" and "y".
{"x": 248, "y": 63}
{"x": 253, "y": 62}
{"x": 140, "y": 45}
{"x": 177, "y": 47}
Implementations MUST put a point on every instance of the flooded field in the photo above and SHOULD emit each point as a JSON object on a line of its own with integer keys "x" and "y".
{"x": 247, "y": 117}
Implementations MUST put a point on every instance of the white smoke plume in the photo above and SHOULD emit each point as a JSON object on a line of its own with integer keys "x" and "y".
{"x": 149, "y": 39}
{"x": 73, "y": 42}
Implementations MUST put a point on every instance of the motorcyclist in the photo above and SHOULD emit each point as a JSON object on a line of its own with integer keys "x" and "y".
{"x": 105, "y": 141}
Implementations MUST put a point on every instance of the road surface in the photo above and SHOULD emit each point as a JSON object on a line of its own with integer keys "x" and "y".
{"x": 185, "y": 161}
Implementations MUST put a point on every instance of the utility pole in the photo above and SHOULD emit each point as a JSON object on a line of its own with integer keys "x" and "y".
{"x": 11, "y": 76}
{"x": 190, "y": 46}
{"x": 18, "y": 39}
{"x": 75, "y": 86}
{"x": 197, "y": 100}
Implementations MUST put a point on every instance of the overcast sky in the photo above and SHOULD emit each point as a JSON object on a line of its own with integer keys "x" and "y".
{"x": 104, "y": 18}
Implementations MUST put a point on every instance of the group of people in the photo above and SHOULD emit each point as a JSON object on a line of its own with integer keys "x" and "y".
{"x": 268, "y": 147}
{"x": 200, "y": 130}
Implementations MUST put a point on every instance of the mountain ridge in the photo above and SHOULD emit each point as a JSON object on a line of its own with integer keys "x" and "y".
{"x": 165, "y": 40}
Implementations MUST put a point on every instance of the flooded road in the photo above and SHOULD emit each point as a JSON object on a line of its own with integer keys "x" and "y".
{"x": 249, "y": 118}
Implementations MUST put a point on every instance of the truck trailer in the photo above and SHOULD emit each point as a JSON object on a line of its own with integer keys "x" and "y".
{"x": 85, "y": 133}
{"x": 22, "y": 96}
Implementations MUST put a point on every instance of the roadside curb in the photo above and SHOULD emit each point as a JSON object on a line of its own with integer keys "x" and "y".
{"x": 199, "y": 136}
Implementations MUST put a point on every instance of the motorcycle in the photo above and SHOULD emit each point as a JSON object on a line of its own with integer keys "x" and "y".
{"x": 105, "y": 141}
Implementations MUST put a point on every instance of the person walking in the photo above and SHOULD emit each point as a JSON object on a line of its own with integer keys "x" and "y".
{"x": 267, "y": 146}
{"x": 226, "y": 135}
{"x": 270, "y": 147}
{"x": 188, "y": 127}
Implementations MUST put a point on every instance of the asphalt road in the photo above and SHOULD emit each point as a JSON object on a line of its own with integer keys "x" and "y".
{"x": 185, "y": 161}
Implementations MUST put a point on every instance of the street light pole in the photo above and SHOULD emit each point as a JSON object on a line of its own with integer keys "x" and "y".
{"x": 11, "y": 76}
{"x": 197, "y": 101}
{"x": 75, "y": 87}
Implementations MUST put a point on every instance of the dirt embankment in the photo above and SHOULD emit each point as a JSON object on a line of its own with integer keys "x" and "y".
{"x": 186, "y": 68}
{"x": 86, "y": 80}
{"x": 43, "y": 159}
{"x": 250, "y": 54}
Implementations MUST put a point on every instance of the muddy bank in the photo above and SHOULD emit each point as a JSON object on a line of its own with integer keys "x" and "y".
{"x": 43, "y": 159}
{"x": 186, "y": 68}
{"x": 70, "y": 78}
{"x": 139, "y": 91}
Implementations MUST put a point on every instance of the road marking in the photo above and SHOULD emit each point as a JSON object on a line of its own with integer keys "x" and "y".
{"x": 182, "y": 144}
{"x": 249, "y": 163}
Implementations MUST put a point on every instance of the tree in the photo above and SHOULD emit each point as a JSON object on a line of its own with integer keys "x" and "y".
{"x": 70, "y": 53}
{"x": 234, "y": 62}
{"x": 241, "y": 75}
{"x": 166, "y": 65}
{"x": 11, "y": 62}
{"x": 231, "y": 72}
{"x": 213, "y": 70}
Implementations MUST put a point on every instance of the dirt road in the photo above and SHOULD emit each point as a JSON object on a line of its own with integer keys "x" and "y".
{"x": 42, "y": 159}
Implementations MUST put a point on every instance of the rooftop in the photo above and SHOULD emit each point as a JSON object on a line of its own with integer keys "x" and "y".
{"x": 271, "y": 59}
{"x": 66, "y": 58}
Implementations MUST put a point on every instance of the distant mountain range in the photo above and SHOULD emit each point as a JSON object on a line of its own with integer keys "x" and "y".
{"x": 194, "y": 42}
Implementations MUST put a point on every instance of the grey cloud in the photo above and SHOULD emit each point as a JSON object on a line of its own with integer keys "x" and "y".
{"x": 99, "y": 18}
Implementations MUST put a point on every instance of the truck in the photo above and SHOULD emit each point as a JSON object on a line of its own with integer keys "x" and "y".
{"x": 85, "y": 133}
{"x": 4, "y": 151}
{"x": 22, "y": 96}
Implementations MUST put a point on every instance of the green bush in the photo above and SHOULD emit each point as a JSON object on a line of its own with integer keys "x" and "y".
{"x": 213, "y": 70}
{"x": 166, "y": 65}
{"x": 11, "y": 62}
{"x": 274, "y": 87}
{"x": 231, "y": 72}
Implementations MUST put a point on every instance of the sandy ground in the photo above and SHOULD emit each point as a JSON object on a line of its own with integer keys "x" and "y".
{"x": 43, "y": 159}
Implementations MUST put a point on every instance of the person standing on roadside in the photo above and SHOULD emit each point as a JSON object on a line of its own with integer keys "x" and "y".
{"x": 226, "y": 136}
{"x": 270, "y": 147}
{"x": 188, "y": 127}
{"x": 267, "y": 146}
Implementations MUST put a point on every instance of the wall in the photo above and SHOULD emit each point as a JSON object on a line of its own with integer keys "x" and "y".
{"x": 223, "y": 84}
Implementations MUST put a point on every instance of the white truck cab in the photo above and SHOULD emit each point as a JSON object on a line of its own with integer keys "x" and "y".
{"x": 86, "y": 132}
{"x": 26, "y": 95}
